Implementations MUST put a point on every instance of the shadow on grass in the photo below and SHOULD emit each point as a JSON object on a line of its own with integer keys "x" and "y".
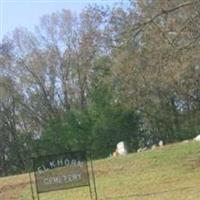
{"x": 148, "y": 194}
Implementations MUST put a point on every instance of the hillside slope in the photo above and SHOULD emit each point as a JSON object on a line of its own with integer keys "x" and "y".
{"x": 168, "y": 173}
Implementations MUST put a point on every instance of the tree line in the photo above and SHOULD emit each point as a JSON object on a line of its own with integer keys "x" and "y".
{"x": 88, "y": 81}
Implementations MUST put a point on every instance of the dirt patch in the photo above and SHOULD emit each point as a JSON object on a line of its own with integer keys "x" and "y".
{"x": 193, "y": 162}
{"x": 13, "y": 187}
{"x": 12, "y": 190}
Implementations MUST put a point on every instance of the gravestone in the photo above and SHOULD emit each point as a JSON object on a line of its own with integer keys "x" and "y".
{"x": 122, "y": 148}
{"x": 197, "y": 138}
{"x": 160, "y": 144}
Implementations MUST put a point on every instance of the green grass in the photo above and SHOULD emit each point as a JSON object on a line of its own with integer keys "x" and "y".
{"x": 168, "y": 173}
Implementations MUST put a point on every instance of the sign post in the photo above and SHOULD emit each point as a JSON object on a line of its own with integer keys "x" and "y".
{"x": 93, "y": 177}
{"x": 31, "y": 185}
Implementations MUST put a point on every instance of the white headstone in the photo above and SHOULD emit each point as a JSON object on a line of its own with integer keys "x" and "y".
{"x": 139, "y": 150}
{"x": 142, "y": 149}
{"x": 185, "y": 141}
{"x": 153, "y": 146}
{"x": 197, "y": 139}
{"x": 160, "y": 143}
{"x": 145, "y": 149}
{"x": 121, "y": 148}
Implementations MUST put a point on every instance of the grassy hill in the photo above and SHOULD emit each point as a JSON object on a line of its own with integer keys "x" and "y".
{"x": 168, "y": 173}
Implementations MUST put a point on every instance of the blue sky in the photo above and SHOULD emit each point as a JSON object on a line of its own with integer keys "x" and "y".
{"x": 26, "y": 13}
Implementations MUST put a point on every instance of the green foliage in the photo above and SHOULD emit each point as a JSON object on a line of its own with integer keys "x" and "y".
{"x": 98, "y": 128}
{"x": 69, "y": 132}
